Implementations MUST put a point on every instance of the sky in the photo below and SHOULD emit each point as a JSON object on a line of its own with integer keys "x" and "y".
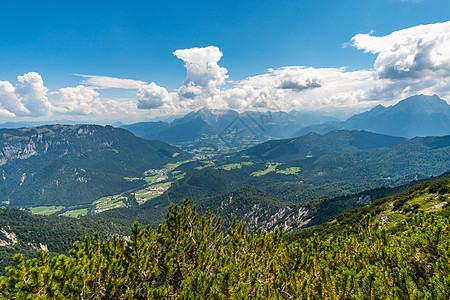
{"x": 136, "y": 60}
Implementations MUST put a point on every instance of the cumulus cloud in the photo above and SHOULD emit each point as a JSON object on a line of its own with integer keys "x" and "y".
{"x": 414, "y": 52}
{"x": 316, "y": 88}
{"x": 203, "y": 72}
{"x": 105, "y": 82}
{"x": 296, "y": 78}
{"x": 6, "y": 113}
{"x": 27, "y": 98}
{"x": 81, "y": 101}
{"x": 9, "y": 101}
{"x": 410, "y": 61}
{"x": 78, "y": 100}
{"x": 33, "y": 94}
{"x": 238, "y": 97}
{"x": 153, "y": 96}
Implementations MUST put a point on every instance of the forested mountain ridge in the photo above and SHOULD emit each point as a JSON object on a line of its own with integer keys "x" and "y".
{"x": 349, "y": 172}
{"x": 314, "y": 144}
{"x": 64, "y": 165}
{"x": 189, "y": 257}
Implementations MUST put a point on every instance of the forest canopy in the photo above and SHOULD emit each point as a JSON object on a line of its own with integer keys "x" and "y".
{"x": 189, "y": 257}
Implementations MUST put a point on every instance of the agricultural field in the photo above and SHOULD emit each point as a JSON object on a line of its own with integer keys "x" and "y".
{"x": 289, "y": 171}
{"x": 45, "y": 210}
{"x": 270, "y": 167}
{"x": 230, "y": 167}
{"x": 107, "y": 203}
{"x": 76, "y": 213}
{"x": 151, "y": 192}
{"x": 178, "y": 175}
{"x": 205, "y": 164}
{"x": 132, "y": 178}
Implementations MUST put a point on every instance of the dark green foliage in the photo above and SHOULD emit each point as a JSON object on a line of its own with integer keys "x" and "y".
{"x": 57, "y": 233}
{"x": 438, "y": 187}
{"x": 189, "y": 258}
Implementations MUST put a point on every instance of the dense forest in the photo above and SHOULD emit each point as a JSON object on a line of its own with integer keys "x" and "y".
{"x": 56, "y": 234}
{"x": 190, "y": 257}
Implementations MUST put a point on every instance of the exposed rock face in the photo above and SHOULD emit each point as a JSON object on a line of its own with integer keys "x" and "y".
{"x": 43, "y": 247}
{"x": 364, "y": 200}
{"x": 287, "y": 217}
{"x": 11, "y": 238}
{"x": 19, "y": 149}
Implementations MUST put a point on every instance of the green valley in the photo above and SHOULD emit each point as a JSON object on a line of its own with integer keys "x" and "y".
{"x": 73, "y": 166}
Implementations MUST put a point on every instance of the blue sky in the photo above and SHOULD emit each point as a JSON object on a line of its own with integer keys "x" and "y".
{"x": 136, "y": 40}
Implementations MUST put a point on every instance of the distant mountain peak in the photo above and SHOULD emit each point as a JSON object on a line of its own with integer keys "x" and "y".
{"x": 419, "y": 115}
{"x": 118, "y": 124}
{"x": 421, "y": 104}
{"x": 213, "y": 111}
{"x": 378, "y": 107}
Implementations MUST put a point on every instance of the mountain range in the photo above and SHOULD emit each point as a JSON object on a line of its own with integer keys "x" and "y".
{"x": 224, "y": 126}
{"x": 418, "y": 115}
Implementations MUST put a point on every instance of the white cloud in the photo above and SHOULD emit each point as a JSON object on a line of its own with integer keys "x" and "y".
{"x": 81, "y": 101}
{"x": 153, "y": 96}
{"x": 6, "y": 113}
{"x": 238, "y": 97}
{"x": 33, "y": 94}
{"x": 296, "y": 78}
{"x": 78, "y": 100}
{"x": 27, "y": 98}
{"x": 10, "y": 102}
{"x": 298, "y": 87}
{"x": 410, "y": 61}
{"x": 203, "y": 73}
{"x": 414, "y": 52}
{"x": 105, "y": 82}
